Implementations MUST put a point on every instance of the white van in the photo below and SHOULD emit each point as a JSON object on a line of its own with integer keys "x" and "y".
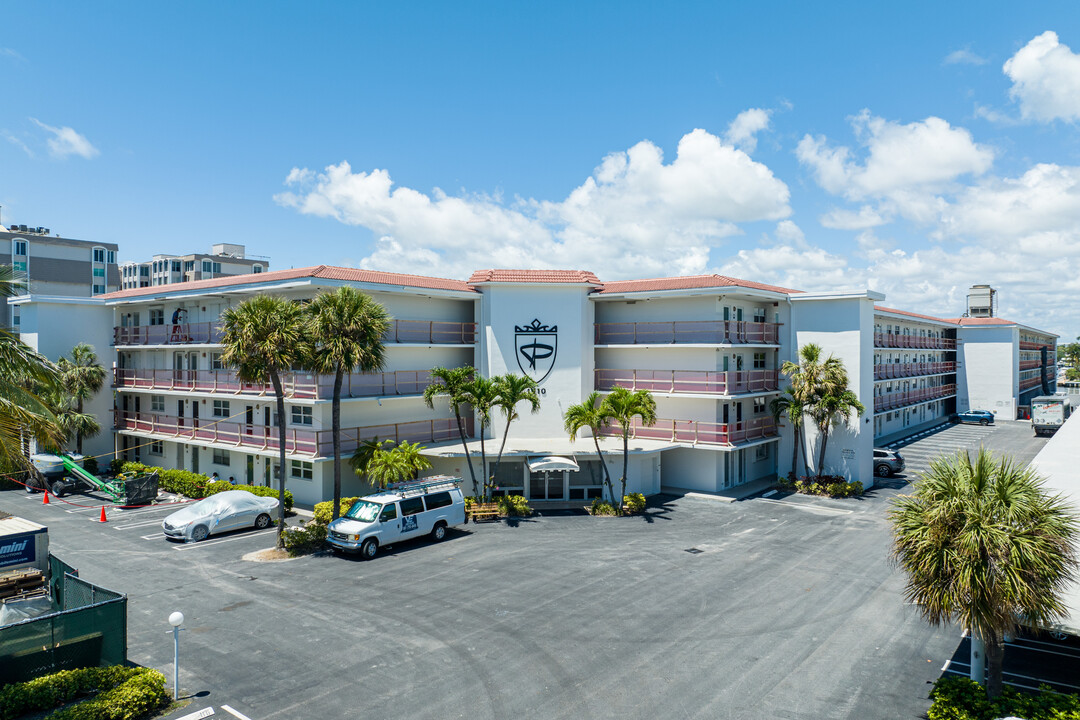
{"x": 405, "y": 510}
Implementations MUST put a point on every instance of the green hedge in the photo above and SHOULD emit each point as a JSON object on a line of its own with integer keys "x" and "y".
{"x": 123, "y": 693}
{"x": 833, "y": 486}
{"x": 959, "y": 698}
{"x": 196, "y": 485}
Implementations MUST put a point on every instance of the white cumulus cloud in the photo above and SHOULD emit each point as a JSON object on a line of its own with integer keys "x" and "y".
{"x": 743, "y": 130}
{"x": 1046, "y": 79}
{"x": 634, "y": 216}
{"x": 66, "y": 141}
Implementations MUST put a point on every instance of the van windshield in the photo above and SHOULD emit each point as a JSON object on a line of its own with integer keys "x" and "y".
{"x": 364, "y": 510}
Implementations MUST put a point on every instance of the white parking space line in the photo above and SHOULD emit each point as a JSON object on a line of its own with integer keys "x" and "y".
{"x": 170, "y": 507}
{"x": 208, "y": 543}
{"x": 140, "y": 524}
{"x": 235, "y": 713}
{"x": 151, "y": 537}
{"x": 807, "y": 506}
{"x": 83, "y": 509}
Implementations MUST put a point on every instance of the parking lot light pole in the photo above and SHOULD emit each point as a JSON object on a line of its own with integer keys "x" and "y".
{"x": 176, "y": 620}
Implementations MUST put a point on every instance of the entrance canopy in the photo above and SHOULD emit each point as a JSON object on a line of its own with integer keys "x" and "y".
{"x": 552, "y": 463}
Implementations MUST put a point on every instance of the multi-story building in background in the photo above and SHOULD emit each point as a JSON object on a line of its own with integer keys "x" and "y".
{"x": 55, "y": 266}
{"x": 224, "y": 260}
{"x": 709, "y": 348}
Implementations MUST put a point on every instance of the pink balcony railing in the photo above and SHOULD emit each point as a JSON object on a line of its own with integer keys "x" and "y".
{"x": 1030, "y": 382}
{"x": 310, "y": 443}
{"x": 1033, "y": 364}
{"x": 689, "y": 381}
{"x": 1028, "y": 345}
{"x": 700, "y": 432}
{"x": 889, "y": 340}
{"x": 719, "y": 332}
{"x": 888, "y": 371}
{"x": 903, "y": 398}
{"x": 296, "y": 385}
{"x": 425, "y": 332}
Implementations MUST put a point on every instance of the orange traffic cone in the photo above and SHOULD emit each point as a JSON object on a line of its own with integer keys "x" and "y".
{"x": 45, "y": 500}
{"x": 102, "y": 519}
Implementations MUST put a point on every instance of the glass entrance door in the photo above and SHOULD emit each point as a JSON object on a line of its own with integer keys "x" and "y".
{"x": 546, "y": 485}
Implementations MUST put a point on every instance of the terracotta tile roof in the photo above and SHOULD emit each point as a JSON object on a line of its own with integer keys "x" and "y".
{"x": 970, "y": 321}
{"x": 533, "y": 276}
{"x": 326, "y": 272}
{"x": 881, "y": 308}
{"x": 687, "y": 282}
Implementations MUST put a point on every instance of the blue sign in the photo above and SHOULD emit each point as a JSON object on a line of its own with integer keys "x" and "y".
{"x": 17, "y": 550}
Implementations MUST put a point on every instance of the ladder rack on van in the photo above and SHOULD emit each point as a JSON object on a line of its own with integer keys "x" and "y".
{"x": 424, "y": 485}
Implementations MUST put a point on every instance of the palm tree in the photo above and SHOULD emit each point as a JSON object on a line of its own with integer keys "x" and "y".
{"x": 482, "y": 393}
{"x": 72, "y": 422}
{"x": 812, "y": 378}
{"x": 788, "y": 405}
{"x": 346, "y": 329}
{"x": 983, "y": 545}
{"x": 390, "y": 466}
{"x": 829, "y": 409}
{"x": 363, "y": 454}
{"x": 263, "y": 338}
{"x": 452, "y": 382}
{"x": 412, "y": 458}
{"x": 513, "y": 389}
{"x": 82, "y": 377}
{"x": 589, "y": 414}
{"x": 623, "y": 406}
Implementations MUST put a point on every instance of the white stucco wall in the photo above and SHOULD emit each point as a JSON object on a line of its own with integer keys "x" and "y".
{"x": 987, "y": 379}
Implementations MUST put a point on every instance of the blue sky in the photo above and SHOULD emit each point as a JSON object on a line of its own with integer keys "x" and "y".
{"x": 912, "y": 149}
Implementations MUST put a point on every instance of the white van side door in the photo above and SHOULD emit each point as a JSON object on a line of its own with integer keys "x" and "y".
{"x": 389, "y": 524}
{"x": 413, "y": 517}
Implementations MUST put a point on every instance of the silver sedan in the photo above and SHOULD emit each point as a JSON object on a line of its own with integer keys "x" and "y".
{"x": 230, "y": 510}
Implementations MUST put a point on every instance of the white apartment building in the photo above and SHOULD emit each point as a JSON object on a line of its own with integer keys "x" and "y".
{"x": 224, "y": 260}
{"x": 707, "y": 347}
{"x": 1006, "y": 364}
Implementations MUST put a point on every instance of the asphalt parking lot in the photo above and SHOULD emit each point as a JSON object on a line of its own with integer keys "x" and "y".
{"x": 784, "y": 607}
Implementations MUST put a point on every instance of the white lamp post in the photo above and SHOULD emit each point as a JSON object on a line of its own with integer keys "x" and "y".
{"x": 176, "y": 620}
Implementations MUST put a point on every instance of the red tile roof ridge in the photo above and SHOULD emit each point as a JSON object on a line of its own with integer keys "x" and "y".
{"x": 327, "y": 272}
{"x": 509, "y": 275}
{"x": 882, "y": 308}
{"x": 688, "y": 282}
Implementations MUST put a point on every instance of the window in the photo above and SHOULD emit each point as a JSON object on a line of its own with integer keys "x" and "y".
{"x": 389, "y": 513}
{"x": 98, "y": 289}
{"x": 221, "y": 408}
{"x": 157, "y": 447}
{"x": 16, "y": 318}
{"x": 438, "y": 500}
{"x": 760, "y": 315}
{"x": 157, "y": 316}
{"x": 411, "y": 506}
{"x": 99, "y": 255}
{"x": 99, "y": 272}
{"x": 300, "y": 470}
{"x": 257, "y": 269}
{"x": 759, "y": 361}
{"x": 216, "y": 268}
{"x": 759, "y": 405}
{"x": 301, "y": 415}
{"x": 112, "y": 257}
{"x": 207, "y": 266}
{"x": 157, "y": 403}
{"x": 761, "y": 452}
{"x": 176, "y": 266}
{"x": 215, "y": 362}
{"x": 221, "y": 457}
{"x": 189, "y": 265}
{"x": 20, "y": 247}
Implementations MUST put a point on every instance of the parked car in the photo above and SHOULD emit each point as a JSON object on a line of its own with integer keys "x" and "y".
{"x": 230, "y": 510}
{"x": 408, "y": 510}
{"x": 887, "y": 462}
{"x": 983, "y": 417}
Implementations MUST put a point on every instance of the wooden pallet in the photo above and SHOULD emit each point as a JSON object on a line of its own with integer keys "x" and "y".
{"x": 22, "y": 583}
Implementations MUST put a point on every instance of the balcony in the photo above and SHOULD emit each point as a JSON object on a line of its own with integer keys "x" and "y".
{"x": 309, "y": 443}
{"x": 1031, "y": 382}
{"x": 297, "y": 386}
{"x": 1028, "y": 345}
{"x": 888, "y": 371}
{"x": 889, "y": 340}
{"x": 903, "y": 398}
{"x": 1033, "y": 364}
{"x": 421, "y": 332}
{"x": 703, "y": 332}
{"x": 691, "y": 382}
{"x": 701, "y": 433}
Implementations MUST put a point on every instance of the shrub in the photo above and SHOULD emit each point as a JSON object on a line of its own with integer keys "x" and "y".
{"x": 828, "y": 485}
{"x": 90, "y": 464}
{"x": 634, "y": 502}
{"x": 958, "y": 698}
{"x": 196, "y": 485}
{"x": 601, "y": 507}
{"x": 306, "y": 538}
{"x": 125, "y": 692}
{"x": 116, "y": 466}
{"x": 514, "y": 506}
{"x": 323, "y": 510}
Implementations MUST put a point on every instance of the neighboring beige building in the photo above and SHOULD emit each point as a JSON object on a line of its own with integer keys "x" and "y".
{"x": 224, "y": 260}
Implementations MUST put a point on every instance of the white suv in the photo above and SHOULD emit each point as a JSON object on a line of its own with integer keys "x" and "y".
{"x": 406, "y": 510}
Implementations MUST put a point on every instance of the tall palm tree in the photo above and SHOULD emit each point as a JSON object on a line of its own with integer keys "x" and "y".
{"x": 345, "y": 329}
{"x": 622, "y": 406}
{"x": 982, "y": 544}
{"x": 513, "y": 390}
{"x": 72, "y": 422}
{"x": 396, "y": 465}
{"x": 788, "y": 405}
{"x": 811, "y": 378}
{"x": 589, "y": 413}
{"x": 452, "y": 382}
{"x": 262, "y": 338}
{"x": 834, "y": 406}
{"x": 482, "y": 393}
{"x": 82, "y": 377}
